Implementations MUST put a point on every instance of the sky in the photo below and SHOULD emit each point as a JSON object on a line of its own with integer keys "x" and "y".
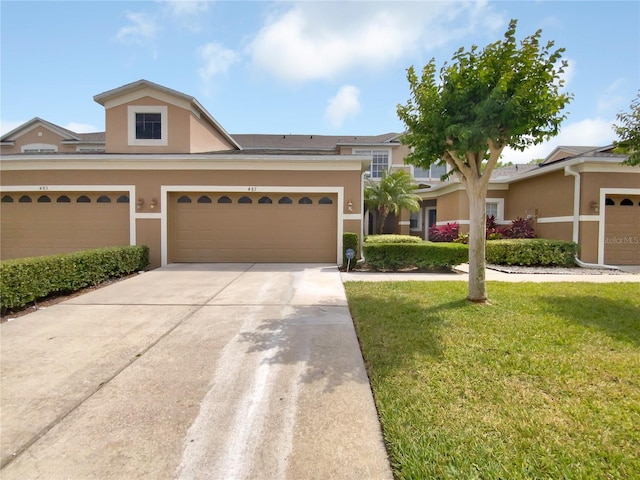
{"x": 302, "y": 67}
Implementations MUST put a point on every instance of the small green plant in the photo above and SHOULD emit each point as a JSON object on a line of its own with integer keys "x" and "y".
{"x": 349, "y": 240}
{"x": 392, "y": 239}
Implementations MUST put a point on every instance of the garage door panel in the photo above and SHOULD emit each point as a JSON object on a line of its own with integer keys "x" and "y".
{"x": 252, "y": 232}
{"x": 622, "y": 230}
{"x": 38, "y": 228}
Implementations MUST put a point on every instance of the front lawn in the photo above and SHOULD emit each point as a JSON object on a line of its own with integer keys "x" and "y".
{"x": 543, "y": 383}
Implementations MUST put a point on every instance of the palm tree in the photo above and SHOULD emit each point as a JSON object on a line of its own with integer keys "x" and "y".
{"x": 390, "y": 194}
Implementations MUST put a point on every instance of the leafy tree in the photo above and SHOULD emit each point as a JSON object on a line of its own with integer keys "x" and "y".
{"x": 629, "y": 132}
{"x": 507, "y": 94}
{"x": 393, "y": 192}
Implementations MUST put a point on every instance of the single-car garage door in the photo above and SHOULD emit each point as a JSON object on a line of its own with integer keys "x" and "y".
{"x": 265, "y": 227}
{"x": 46, "y": 223}
{"x": 622, "y": 230}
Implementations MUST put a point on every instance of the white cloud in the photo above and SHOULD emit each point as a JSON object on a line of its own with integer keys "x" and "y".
{"x": 344, "y": 105}
{"x": 81, "y": 127}
{"x": 594, "y": 132}
{"x": 187, "y": 13}
{"x": 143, "y": 29}
{"x": 317, "y": 40}
{"x": 215, "y": 60}
{"x": 7, "y": 125}
{"x": 610, "y": 98}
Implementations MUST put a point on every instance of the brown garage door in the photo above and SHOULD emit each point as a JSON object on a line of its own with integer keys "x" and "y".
{"x": 231, "y": 227}
{"x": 45, "y": 223}
{"x": 622, "y": 230}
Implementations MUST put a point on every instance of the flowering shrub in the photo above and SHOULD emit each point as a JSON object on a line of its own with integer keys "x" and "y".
{"x": 519, "y": 228}
{"x": 444, "y": 233}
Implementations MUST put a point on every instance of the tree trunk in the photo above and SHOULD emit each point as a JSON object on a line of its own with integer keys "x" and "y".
{"x": 477, "y": 241}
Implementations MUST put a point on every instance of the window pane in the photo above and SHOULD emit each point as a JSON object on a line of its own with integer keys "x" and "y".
{"x": 103, "y": 199}
{"x": 44, "y": 199}
{"x": 63, "y": 199}
{"x": 438, "y": 171}
{"x": 123, "y": 199}
{"x": 492, "y": 209}
{"x": 224, "y": 199}
{"x": 265, "y": 200}
{"x": 305, "y": 201}
{"x": 148, "y": 126}
{"x": 204, "y": 199}
{"x": 83, "y": 199}
{"x": 245, "y": 200}
{"x": 413, "y": 218}
{"x": 7, "y": 199}
{"x": 325, "y": 201}
{"x": 285, "y": 200}
{"x": 420, "y": 172}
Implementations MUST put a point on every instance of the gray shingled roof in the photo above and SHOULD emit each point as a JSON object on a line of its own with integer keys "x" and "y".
{"x": 512, "y": 170}
{"x": 309, "y": 142}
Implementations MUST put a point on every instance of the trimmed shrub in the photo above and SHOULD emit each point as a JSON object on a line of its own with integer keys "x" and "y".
{"x": 394, "y": 256}
{"x": 392, "y": 239}
{"x": 444, "y": 233}
{"x": 349, "y": 240}
{"x": 530, "y": 252}
{"x": 27, "y": 279}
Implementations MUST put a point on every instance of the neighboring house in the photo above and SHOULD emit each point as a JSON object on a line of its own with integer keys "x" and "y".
{"x": 166, "y": 174}
{"x": 583, "y": 194}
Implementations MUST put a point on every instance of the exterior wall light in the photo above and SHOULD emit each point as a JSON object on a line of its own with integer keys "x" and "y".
{"x": 154, "y": 203}
{"x": 140, "y": 203}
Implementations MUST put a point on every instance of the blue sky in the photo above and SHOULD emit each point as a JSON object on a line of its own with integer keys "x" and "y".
{"x": 332, "y": 68}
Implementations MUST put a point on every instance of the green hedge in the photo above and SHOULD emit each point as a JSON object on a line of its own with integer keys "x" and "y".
{"x": 349, "y": 240}
{"x": 394, "y": 256}
{"x": 27, "y": 279}
{"x": 534, "y": 251}
{"x": 392, "y": 239}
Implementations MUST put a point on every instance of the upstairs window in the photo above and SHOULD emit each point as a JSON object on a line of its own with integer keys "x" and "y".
{"x": 380, "y": 162}
{"x": 147, "y": 125}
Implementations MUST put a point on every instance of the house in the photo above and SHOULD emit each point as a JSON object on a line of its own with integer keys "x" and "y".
{"x": 166, "y": 174}
{"x": 580, "y": 194}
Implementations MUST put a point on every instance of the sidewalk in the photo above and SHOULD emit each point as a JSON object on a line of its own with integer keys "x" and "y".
{"x": 461, "y": 274}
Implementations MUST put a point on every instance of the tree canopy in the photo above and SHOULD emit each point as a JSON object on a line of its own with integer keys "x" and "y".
{"x": 507, "y": 94}
{"x": 394, "y": 191}
{"x": 629, "y": 132}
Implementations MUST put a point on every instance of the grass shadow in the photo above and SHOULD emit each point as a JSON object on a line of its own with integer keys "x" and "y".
{"x": 618, "y": 319}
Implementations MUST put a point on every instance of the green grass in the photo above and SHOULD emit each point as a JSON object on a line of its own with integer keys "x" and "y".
{"x": 542, "y": 383}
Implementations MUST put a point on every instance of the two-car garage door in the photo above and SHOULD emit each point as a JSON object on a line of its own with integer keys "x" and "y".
{"x": 46, "y": 223}
{"x": 252, "y": 227}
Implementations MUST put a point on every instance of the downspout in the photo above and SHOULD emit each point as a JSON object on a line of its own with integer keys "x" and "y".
{"x": 576, "y": 202}
{"x": 576, "y": 219}
{"x": 362, "y": 217}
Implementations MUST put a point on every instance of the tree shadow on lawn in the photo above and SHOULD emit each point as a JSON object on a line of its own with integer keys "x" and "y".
{"x": 618, "y": 319}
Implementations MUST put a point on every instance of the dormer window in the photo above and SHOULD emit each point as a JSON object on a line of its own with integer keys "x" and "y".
{"x": 147, "y": 126}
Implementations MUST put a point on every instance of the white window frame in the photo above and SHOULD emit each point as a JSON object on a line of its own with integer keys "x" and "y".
{"x": 373, "y": 151}
{"x": 39, "y": 148}
{"x": 500, "y": 207}
{"x": 132, "y": 110}
{"x": 418, "y": 226}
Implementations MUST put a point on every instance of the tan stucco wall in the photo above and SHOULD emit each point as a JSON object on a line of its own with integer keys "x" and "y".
{"x": 37, "y": 135}
{"x": 452, "y": 207}
{"x": 205, "y": 138}
{"x": 148, "y": 186}
{"x": 117, "y": 121}
{"x": 550, "y": 195}
{"x": 592, "y": 182}
{"x": 588, "y": 232}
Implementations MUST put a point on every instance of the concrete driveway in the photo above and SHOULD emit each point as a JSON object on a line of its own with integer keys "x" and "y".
{"x": 223, "y": 371}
